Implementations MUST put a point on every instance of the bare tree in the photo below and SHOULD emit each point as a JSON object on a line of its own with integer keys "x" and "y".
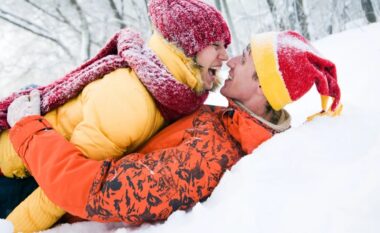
{"x": 278, "y": 22}
{"x": 302, "y": 18}
{"x": 85, "y": 31}
{"x": 231, "y": 25}
{"x": 368, "y": 10}
{"x": 218, "y": 5}
{"x": 74, "y": 29}
{"x": 73, "y": 25}
{"x": 290, "y": 7}
{"x": 142, "y": 16}
{"x": 333, "y": 9}
{"x": 118, "y": 15}
{"x": 339, "y": 16}
{"x": 33, "y": 28}
{"x": 344, "y": 17}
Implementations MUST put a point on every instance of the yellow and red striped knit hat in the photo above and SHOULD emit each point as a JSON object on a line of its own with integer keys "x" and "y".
{"x": 288, "y": 66}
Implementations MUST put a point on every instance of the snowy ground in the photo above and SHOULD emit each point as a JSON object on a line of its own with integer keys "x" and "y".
{"x": 320, "y": 176}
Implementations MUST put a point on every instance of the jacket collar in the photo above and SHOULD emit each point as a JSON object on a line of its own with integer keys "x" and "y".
{"x": 282, "y": 125}
{"x": 179, "y": 65}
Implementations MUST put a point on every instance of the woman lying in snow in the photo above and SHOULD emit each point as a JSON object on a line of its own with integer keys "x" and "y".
{"x": 184, "y": 162}
{"x": 137, "y": 91}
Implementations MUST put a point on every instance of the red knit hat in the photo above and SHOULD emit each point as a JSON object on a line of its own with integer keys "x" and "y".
{"x": 287, "y": 66}
{"x": 191, "y": 25}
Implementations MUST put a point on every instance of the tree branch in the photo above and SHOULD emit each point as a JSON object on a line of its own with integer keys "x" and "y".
{"x": 44, "y": 11}
{"x": 86, "y": 45}
{"x": 47, "y": 37}
{"x": 116, "y": 13}
{"x": 5, "y": 13}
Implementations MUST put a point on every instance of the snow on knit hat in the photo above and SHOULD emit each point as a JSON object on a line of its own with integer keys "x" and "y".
{"x": 191, "y": 25}
{"x": 287, "y": 66}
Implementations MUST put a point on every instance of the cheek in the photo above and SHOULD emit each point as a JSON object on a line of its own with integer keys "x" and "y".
{"x": 209, "y": 59}
{"x": 205, "y": 55}
{"x": 231, "y": 88}
{"x": 226, "y": 87}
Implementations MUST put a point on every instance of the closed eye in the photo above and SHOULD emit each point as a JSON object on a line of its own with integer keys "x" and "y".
{"x": 218, "y": 46}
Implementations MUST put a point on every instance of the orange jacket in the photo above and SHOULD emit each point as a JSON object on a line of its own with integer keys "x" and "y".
{"x": 176, "y": 169}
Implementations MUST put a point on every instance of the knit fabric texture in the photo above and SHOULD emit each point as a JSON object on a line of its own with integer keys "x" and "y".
{"x": 191, "y": 25}
{"x": 125, "y": 49}
{"x": 288, "y": 66}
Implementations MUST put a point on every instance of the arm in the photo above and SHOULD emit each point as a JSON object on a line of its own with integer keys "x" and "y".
{"x": 36, "y": 212}
{"x": 134, "y": 189}
{"x": 10, "y": 163}
{"x": 46, "y": 153}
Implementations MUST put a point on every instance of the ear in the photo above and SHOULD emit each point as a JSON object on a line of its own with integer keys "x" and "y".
{"x": 260, "y": 92}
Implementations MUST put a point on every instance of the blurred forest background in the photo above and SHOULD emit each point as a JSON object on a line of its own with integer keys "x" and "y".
{"x": 42, "y": 40}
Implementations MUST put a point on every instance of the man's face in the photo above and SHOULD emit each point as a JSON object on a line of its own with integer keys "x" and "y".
{"x": 211, "y": 60}
{"x": 242, "y": 83}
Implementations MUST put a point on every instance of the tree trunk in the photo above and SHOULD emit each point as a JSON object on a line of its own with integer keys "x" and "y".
{"x": 368, "y": 10}
{"x": 302, "y": 18}
{"x": 85, "y": 30}
{"x": 231, "y": 26}
{"x": 117, "y": 14}
{"x": 331, "y": 24}
{"x": 218, "y": 5}
{"x": 292, "y": 17}
{"x": 279, "y": 24}
{"x": 33, "y": 28}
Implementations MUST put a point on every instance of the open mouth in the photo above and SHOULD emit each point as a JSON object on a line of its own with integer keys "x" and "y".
{"x": 213, "y": 71}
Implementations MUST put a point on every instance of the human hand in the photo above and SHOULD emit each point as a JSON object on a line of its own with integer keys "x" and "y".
{"x": 24, "y": 106}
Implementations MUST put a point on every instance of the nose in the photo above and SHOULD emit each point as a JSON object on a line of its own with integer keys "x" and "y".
{"x": 223, "y": 55}
{"x": 232, "y": 62}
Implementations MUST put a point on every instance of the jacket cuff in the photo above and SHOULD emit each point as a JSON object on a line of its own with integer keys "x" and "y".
{"x": 24, "y": 129}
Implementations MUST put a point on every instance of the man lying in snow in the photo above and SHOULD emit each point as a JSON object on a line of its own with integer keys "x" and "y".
{"x": 115, "y": 102}
{"x": 184, "y": 162}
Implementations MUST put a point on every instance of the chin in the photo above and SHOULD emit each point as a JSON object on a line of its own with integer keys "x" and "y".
{"x": 210, "y": 85}
{"x": 223, "y": 92}
{"x": 207, "y": 87}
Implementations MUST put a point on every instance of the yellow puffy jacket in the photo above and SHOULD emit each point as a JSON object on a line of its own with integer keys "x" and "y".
{"x": 111, "y": 116}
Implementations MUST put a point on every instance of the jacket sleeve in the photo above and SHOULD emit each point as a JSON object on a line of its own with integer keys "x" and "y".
{"x": 54, "y": 163}
{"x": 135, "y": 189}
{"x": 87, "y": 136}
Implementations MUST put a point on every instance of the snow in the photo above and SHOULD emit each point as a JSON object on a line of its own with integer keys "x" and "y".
{"x": 320, "y": 176}
{"x": 6, "y": 226}
{"x": 289, "y": 40}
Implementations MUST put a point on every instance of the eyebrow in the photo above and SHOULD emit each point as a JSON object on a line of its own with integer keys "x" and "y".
{"x": 219, "y": 43}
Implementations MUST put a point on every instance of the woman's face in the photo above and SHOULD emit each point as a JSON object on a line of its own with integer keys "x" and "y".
{"x": 210, "y": 59}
